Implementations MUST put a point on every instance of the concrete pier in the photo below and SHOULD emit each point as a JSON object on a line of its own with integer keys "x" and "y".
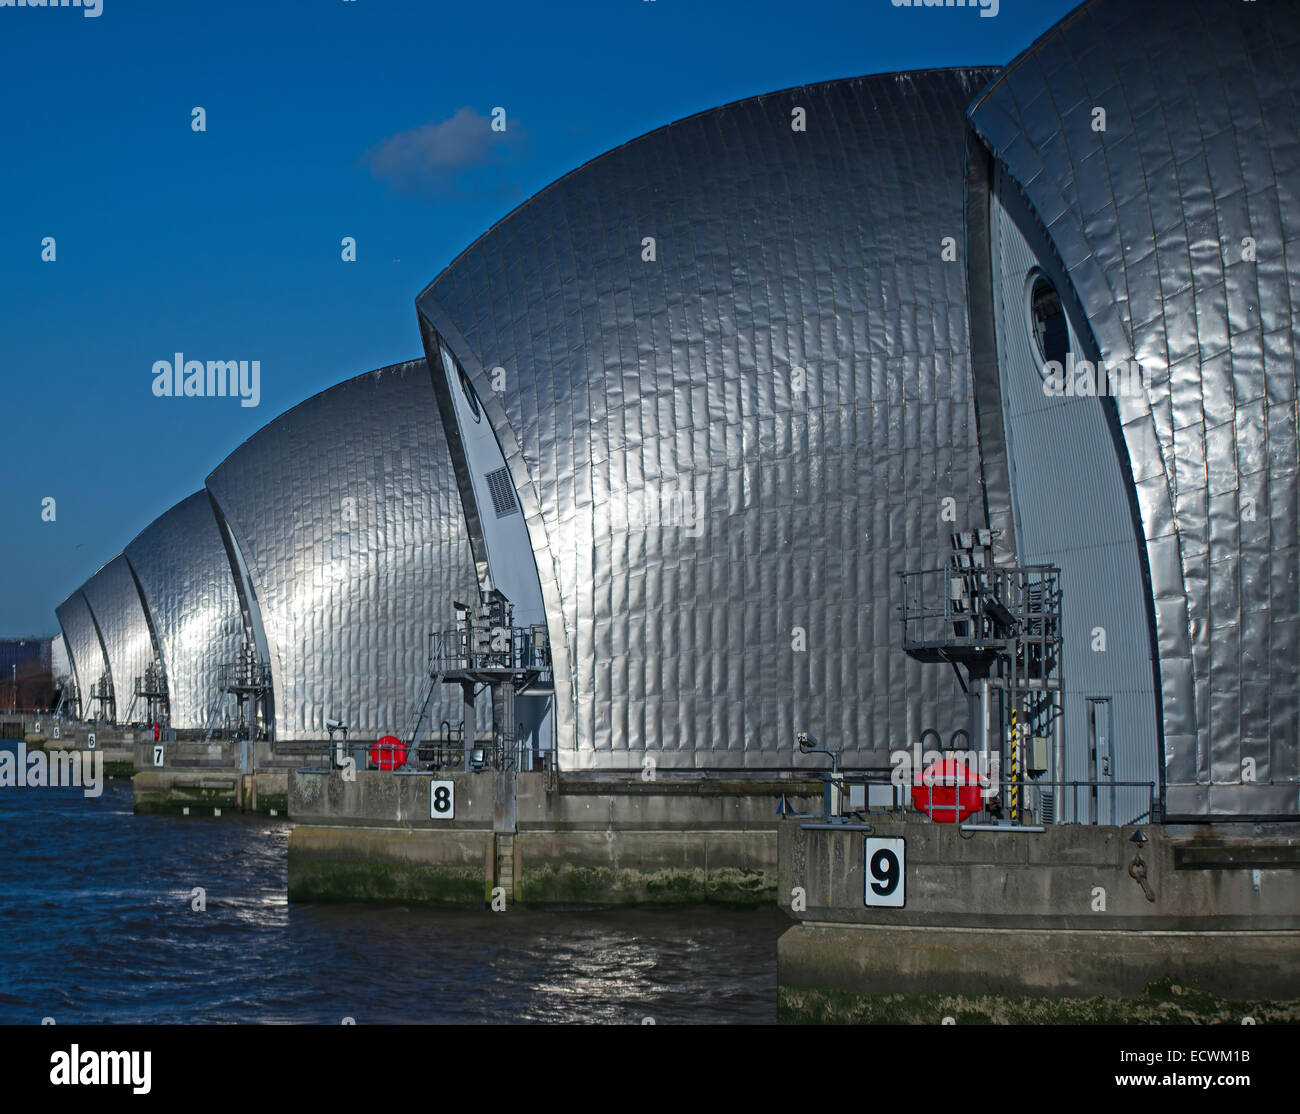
{"x": 1053, "y": 914}
{"x": 49, "y": 733}
{"x": 194, "y": 778}
{"x": 536, "y": 839}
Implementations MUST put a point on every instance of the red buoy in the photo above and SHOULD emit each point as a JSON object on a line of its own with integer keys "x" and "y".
{"x": 388, "y": 753}
{"x": 948, "y": 792}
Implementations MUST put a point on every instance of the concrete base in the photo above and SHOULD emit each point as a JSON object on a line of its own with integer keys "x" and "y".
{"x": 118, "y": 756}
{"x": 630, "y": 867}
{"x": 202, "y": 793}
{"x": 568, "y": 869}
{"x": 1053, "y": 915}
{"x": 1055, "y": 963}
{"x": 381, "y": 864}
{"x": 599, "y": 842}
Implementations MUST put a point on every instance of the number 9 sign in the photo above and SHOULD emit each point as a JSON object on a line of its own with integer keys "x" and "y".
{"x": 885, "y": 862}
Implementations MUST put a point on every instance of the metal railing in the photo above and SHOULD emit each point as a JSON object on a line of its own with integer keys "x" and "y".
{"x": 479, "y": 649}
{"x": 431, "y": 755}
{"x": 979, "y": 606}
{"x": 1091, "y": 802}
{"x": 244, "y": 674}
{"x": 1117, "y": 803}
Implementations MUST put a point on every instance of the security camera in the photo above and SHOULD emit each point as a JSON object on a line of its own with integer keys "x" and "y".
{"x": 806, "y": 742}
{"x": 333, "y": 724}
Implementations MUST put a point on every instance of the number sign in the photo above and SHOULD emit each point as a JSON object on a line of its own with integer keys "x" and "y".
{"x": 885, "y": 863}
{"x": 442, "y": 800}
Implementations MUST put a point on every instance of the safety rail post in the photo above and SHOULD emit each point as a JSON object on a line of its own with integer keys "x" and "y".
{"x": 1014, "y": 795}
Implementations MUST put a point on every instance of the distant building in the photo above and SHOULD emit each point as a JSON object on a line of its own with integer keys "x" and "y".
{"x": 26, "y": 675}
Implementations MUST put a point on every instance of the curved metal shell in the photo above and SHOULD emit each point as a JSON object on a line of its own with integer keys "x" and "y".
{"x": 737, "y": 401}
{"x": 85, "y": 649}
{"x": 346, "y": 514}
{"x": 1175, "y": 217}
{"x": 114, "y": 601}
{"x": 184, "y": 575}
{"x": 60, "y": 663}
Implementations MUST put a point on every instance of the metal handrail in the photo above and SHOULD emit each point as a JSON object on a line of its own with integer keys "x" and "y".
{"x": 1002, "y": 785}
{"x": 244, "y": 674}
{"x": 431, "y": 755}
{"x": 1029, "y": 591}
{"x": 457, "y": 650}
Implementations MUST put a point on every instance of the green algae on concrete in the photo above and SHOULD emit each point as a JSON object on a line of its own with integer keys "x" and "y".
{"x": 172, "y": 800}
{"x": 334, "y": 880}
{"x": 564, "y": 884}
{"x": 1161, "y": 1003}
{"x": 166, "y": 793}
{"x": 273, "y": 802}
{"x": 175, "y": 798}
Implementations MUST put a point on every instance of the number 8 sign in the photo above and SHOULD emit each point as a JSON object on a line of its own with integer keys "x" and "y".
{"x": 442, "y": 800}
{"x": 885, "y": 862}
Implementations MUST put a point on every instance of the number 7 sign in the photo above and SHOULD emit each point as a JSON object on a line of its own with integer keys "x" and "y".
{"x": 885, "y": 862}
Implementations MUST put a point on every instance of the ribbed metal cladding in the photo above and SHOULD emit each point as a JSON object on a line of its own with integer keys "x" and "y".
{"x": 185, "y": 578}
{"x": 345, "y": 509}
{"x": 638, "y": 393}
{"x": 85, "y": 651}
{"x": 1151, "y": 218}
{"x": 119, "y": 615}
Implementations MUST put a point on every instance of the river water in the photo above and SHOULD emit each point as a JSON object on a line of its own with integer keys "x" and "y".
{"x": 98, "y": 924}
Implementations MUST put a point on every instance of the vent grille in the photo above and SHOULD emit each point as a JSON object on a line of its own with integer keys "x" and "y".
{"x": 502, "y": 492}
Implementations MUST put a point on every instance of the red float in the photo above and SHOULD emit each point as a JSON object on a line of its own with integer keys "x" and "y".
{"x": 948, "y": 792}
{"x": 388, "y": 753}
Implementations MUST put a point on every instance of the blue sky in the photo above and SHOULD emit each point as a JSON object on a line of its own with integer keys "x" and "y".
{"x": 325, "y": 119}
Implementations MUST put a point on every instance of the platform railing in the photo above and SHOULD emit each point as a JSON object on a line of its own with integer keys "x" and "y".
{"x": 431, "y": 755}
{"x": 1092, "y": 802}
{"x": 470, "y": 649}
{"x": 974, "y": 606}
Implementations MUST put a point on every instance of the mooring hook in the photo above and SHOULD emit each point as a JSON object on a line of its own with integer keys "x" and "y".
{"x": 1137, "y": 870}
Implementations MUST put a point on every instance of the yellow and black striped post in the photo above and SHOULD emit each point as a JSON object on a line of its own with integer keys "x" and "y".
{"x": 1015, "y": 767}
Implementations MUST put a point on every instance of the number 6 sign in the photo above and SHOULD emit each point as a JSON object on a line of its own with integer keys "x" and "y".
{"x": 885, "y": 865}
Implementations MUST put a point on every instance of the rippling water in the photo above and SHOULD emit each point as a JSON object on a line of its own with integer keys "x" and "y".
{"x": 97, "y": 926}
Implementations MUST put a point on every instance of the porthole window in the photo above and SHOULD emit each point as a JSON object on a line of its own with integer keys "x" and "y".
{"x": 1048, "y": 322}
{"x": 470, "y": 396}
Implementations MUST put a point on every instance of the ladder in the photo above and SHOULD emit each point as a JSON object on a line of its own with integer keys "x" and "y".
{"x": 505, "y": 855}
{"x": 432, "y": 681}
{"x": 212, "y": 718}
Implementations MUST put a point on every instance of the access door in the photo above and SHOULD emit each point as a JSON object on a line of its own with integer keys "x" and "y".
{"x": 1101, "y": 763}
